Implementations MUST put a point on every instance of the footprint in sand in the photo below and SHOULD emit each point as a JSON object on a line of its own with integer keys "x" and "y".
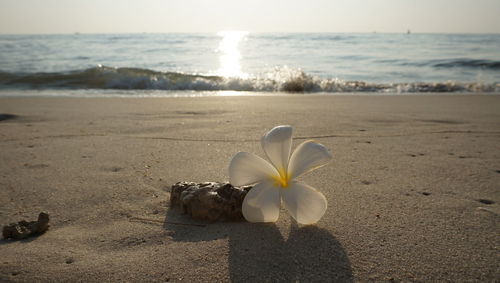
{"x": 485, "y": 201}
{"x": 35, "y": 166}
{"x": 113, "y": 169}
{"x": 4, "y": 116}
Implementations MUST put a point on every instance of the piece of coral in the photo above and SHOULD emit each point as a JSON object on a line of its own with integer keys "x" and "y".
{"x": 24, "y": 229}
{"x": 209, "y": 201}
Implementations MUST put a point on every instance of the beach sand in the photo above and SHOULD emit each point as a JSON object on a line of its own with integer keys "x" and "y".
{"x": 413, "y": 189}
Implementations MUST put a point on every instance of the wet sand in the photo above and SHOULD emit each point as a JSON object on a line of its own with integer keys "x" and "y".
{"x": 413, "y": 189}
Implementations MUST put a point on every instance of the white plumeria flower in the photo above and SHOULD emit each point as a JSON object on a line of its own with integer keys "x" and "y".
{"x": 275, "y": 181}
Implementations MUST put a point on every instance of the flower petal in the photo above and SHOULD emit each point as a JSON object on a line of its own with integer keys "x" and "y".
{"x": 304, "y": 203}
{"x": 308, "y": 156}
{"x": 262, "y": 203}
{"x": 277, "y": 144}
{"x": 247, "y": 168}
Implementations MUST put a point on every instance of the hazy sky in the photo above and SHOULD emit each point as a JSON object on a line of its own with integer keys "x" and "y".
{"x": 109, "y": 16}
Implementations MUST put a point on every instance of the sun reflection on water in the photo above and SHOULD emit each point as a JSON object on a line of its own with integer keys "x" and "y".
{"x": 229, "y": 53}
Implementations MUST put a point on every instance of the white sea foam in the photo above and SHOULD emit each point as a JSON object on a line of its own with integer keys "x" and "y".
{"x": 278, "y": 80}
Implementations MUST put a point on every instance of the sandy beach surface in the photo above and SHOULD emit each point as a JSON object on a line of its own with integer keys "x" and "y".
{"x": 413, "y": 189}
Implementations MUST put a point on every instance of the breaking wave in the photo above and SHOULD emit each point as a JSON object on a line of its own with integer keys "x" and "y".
{"x": 280, "y": 80}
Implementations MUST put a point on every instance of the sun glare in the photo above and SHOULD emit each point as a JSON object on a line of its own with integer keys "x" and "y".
{"x": 229, "y": 53}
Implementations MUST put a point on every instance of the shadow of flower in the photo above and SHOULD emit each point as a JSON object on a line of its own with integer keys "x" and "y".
{"x": 259, "y": 253}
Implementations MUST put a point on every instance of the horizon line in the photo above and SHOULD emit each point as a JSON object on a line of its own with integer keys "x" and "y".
{"x": 409, "y": 31}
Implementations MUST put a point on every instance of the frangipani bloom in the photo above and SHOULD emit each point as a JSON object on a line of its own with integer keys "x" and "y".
{"x": 275, "y": 181}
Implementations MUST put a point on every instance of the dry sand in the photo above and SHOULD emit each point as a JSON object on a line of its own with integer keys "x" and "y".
{"x": 408, "y": 188}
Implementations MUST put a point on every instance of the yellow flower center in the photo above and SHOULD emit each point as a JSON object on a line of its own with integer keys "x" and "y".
{"x": 282, "y": 179}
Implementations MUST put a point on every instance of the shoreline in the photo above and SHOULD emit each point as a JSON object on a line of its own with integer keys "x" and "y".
{"x": 412, "y": 189}
{"x": 116, "y": 93}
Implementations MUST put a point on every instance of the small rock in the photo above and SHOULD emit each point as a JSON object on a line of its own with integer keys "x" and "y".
{"x": 70, "y": 260}
{"x": 24, "y": 229}
{"x": 426, "y": 193}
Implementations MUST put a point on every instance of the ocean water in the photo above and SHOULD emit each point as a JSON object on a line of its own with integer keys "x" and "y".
{"x": 138, "y": 64}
